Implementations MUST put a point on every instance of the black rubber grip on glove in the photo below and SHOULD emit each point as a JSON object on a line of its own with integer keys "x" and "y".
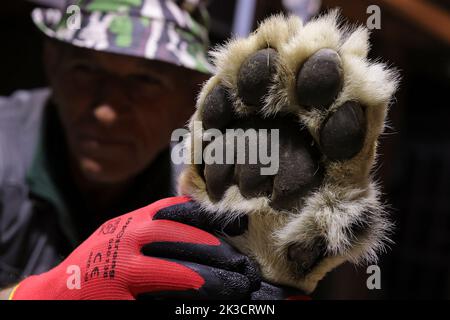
{"x": 192, "y": 214}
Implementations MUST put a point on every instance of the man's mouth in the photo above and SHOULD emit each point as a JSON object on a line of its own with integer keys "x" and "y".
{"x": 93, "y": 141}
{"x": 100, "y": 146}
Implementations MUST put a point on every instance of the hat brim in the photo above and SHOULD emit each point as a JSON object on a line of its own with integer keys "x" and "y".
{"x": 152, "y": 39}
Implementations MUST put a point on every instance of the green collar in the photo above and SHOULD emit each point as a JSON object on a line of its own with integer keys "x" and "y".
{"x": 41, "y": 176}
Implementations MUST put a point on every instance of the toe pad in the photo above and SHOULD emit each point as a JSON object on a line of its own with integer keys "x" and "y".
{"x": 319, "y": 79}
{"x": 255, "y": 76}
{"x": 342, "y": 135}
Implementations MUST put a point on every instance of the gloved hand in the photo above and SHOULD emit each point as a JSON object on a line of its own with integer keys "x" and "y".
{"x": 143, "y": 252}
{"x": 266, "y": 291}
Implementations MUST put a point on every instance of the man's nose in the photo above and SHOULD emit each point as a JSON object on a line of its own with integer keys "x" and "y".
{"x": 105, "y": 114}
{"x": 112, "y": 101}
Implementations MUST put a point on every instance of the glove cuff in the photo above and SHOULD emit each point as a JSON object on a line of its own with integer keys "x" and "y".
{"x": 36, "y": 287}
{"x": 13, "y": 292}
{"x": 20, "y": 294}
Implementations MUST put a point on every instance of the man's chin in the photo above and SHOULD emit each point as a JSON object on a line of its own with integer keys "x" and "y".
{"x": 102, "y": 173}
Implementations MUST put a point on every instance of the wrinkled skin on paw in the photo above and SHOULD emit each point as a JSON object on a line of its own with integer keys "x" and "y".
{"x": 319, "y": 208}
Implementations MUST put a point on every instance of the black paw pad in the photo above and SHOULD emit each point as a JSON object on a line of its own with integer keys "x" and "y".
{"x": 217, "y": 109}
{"x": 255, "y": 76}
{"x": 342, "y": 135}
{"x": 218, "y": 176}
{"x": 251, "y": 182}
{"x": 299, "y": 171}
{"x": 306, "y": 258}
{"x": 319, "y": 80}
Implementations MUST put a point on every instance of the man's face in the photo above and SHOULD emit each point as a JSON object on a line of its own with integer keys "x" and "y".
{"x": 118, "y": 112}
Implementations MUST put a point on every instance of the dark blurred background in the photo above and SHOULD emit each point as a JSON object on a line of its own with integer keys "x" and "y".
{"x": 414, "y": 165}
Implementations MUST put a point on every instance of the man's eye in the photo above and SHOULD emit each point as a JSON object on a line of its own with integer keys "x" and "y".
{"x": 84, "y": 68}
{"x": 145, "y": 79}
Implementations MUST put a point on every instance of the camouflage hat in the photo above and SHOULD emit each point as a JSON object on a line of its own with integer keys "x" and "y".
{"x": 164, "y": 30}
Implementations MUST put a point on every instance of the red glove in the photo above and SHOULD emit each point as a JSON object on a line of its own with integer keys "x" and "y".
{"x": 112, "y": 262}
